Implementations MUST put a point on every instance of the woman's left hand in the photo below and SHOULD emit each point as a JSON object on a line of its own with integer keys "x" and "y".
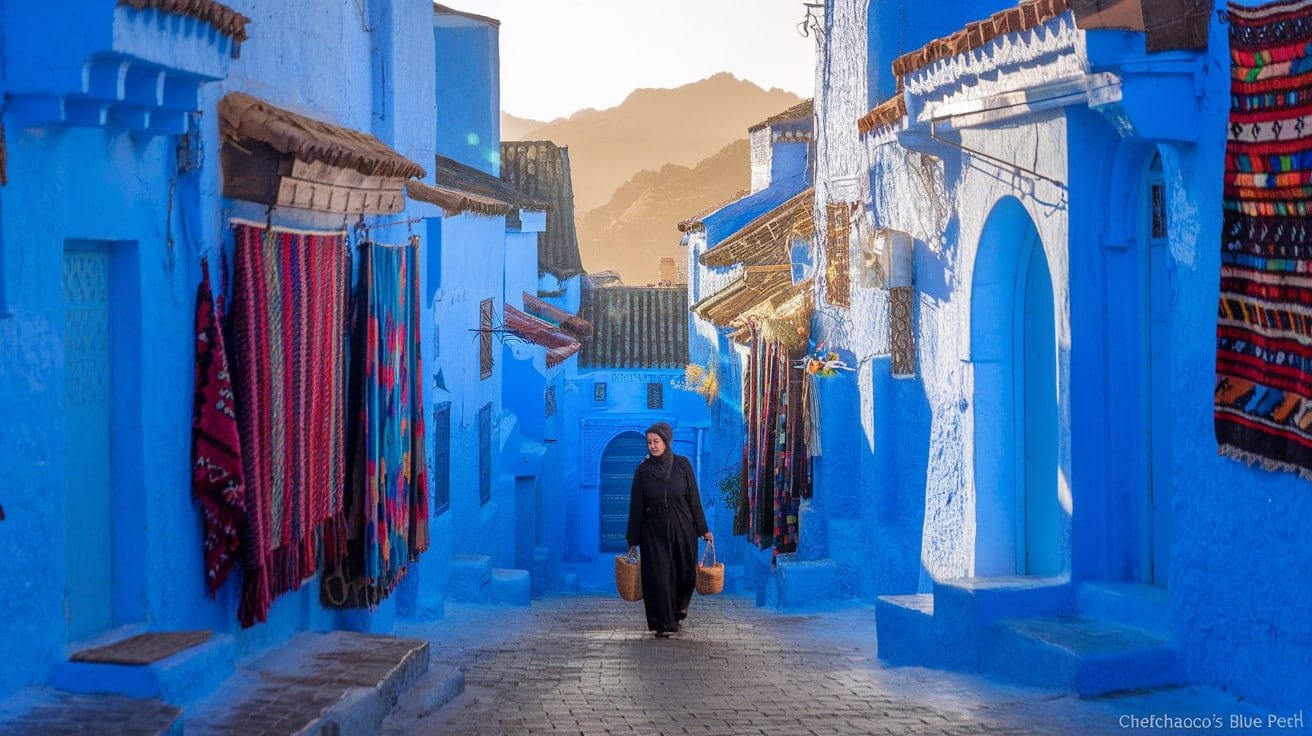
{"x": 708, "y": 537}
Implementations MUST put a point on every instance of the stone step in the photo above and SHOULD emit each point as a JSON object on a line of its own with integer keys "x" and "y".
{"x": 423, "y": 699}
{"x": 339, "y": 682}
{"x": 512, "y": 587}
{"x": 470, "y": 575}
{"x": 1086, "y": 656}
{"x": 967, "y": 605}
{"x": 904, "y": 629}
{"x": 180, "y": 679}
{"x": 809, "y": 584}
{"x": 1143, "y": 607}
{"x": 813, "y": 533}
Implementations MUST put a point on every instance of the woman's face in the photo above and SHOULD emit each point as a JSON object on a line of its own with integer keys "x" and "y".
{"x": 655, "y": 445}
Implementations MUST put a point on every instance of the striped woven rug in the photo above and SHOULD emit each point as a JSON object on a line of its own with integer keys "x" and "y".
{"x": 1263, "y": 400}
{"x": 288, "y": 361}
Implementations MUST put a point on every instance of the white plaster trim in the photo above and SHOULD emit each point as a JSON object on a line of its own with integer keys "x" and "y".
{"x": 1095, "y": 90}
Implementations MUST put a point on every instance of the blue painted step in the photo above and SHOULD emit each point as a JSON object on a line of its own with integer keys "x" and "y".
{"x": 1087, "y": 656}
{"x": 1144, "y": 607}
{"x": 470, "y": 575}
{"x": 180, "y": 679}
{"x": 802, "y": 584}
{"x": 509, "y": 586}
{"x": 904, "y": 629}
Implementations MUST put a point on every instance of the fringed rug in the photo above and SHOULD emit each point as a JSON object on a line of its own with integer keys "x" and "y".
{"x": 289, "y": 357}
{"x": 216, "y": 472}
{"x": 1263, "y": 400}
{"x": 387, "y": 496}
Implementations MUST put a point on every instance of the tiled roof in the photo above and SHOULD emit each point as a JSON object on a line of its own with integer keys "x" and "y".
{"x": 454, "y": 202}
{"x": 765, "y": 240}
{"x": 1169, "y": 24}
{"x": 801, "y": 111}
{"x": 453, "y": 175}
{"x": 558, "y": 344}
{"x": 243, "y": 118}
{"x": 228, "y": 21}
{"x": 541, "y": 169}
{"x": 636, "y": 327}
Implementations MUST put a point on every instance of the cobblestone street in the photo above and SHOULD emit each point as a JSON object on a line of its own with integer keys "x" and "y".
{"x": 585, "y": 665}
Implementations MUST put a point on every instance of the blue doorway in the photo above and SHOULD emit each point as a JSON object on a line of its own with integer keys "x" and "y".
{"x": 1018, "y": 519}
{"x": 618, "y": 462}
{"x": 88, "y": 487}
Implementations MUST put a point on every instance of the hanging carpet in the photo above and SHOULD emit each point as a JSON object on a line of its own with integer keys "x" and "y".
{"x": 1263, "y": 399}
{"x": 387, "y": 493}
{"x": 289, "y": 353}
{"x": 216, "y": 472}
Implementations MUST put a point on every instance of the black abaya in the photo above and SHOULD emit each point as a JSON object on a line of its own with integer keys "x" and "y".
{"x": 665, "y": 519}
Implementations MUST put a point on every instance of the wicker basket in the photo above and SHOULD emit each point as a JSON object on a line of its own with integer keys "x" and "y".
{"x": 710, "y": 578}
{"x": 628, "y": 576}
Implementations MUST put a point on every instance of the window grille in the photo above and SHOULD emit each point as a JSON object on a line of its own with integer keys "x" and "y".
{"x": 838, "y": 280}
{"x": 441, "y": 464}
{"x": 599, "y": 391}
{"x": 1157, "y": 198}
{"x": 485, "y": 453}
{"x": 486, "y": 311}
{"x": 655, "y": 396}
{"x": 551, "y": 399}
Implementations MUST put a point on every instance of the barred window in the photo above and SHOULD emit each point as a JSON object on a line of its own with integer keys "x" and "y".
{"x": 1157, "y": 198}
{"x": 655, "y": 396}
{"x": 441, "y": 474}
{"x": 551, "y": 399}
{"x": 486, "y": 310}
{"x": 599, "y": 391}
{"x": 838, "y": 281}
{"x": 485, "y": 453}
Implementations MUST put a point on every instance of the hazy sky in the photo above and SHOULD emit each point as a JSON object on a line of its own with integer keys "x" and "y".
{"x": 560, "y": 56}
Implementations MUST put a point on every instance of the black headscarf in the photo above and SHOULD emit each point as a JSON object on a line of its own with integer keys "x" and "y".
{"x": 664, "y": 464}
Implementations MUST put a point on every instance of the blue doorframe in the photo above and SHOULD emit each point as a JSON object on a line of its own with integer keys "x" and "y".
{"x": 1013, "y": 353}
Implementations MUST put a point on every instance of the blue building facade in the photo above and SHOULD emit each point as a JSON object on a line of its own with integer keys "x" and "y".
{"x": 1018, "y": 250}
{"x": 118, "y": 149}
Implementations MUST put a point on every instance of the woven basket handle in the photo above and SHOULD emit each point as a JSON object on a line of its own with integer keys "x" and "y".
{"x": 710, "y": 547}
{"x": 633, "y": 556}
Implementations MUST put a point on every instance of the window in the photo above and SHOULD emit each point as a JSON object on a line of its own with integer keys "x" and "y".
{"x": 655, "y": 396}
{"x": 441, "y": 458}
{"x": 599, "y": 391}
{"x": 838, "y": 282}
{"x": 485, "y": 453}
{"x": 486, "y": 310}
{"x": 551, "y": 399}
{"x": 1157, "y": 199}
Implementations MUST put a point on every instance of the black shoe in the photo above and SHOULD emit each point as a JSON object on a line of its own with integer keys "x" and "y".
{"x": 682, "y": 614}
{"x": 662, "y": 634}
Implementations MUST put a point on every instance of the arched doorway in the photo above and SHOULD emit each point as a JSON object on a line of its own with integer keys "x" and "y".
{"x": 618, "y": 462}
{"x": 1014, "y": 353}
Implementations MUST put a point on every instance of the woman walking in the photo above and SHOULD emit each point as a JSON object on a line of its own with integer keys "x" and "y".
{"x": 665, "y": 519}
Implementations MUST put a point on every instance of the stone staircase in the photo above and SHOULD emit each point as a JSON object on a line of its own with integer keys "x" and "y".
{"x": 474, "y": 580}
{"x": 1097, "y": 639}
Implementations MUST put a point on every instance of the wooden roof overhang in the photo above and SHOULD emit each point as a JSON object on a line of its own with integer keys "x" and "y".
{"x": 280, "y": 158}
{"x": 758, "y": 284}
{"x": 764, "y": 241}
{"x": 455, "y": 202}
{"x": 559, "y": 345}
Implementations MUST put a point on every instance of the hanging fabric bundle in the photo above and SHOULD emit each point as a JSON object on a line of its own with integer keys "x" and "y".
{"x": 289, "y": 318}
{"x": 216, "y": 472}
{"x": 387, "y": 498}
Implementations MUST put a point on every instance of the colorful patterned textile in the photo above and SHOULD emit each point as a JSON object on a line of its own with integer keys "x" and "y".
{"x": 1263, "y": 401}
{"x": 777, "y": 467}
{"x": 387, "y": 501}
{"x": 216, "y": 473}
{"x": 288, "y": 325}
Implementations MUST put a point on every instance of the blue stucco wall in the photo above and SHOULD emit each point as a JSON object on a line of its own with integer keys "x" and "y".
{"x": 104, "y": 185}
{"x": 469, "y": 110}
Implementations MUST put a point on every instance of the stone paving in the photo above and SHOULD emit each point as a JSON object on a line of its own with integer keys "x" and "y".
{"x": 584, "y": 665}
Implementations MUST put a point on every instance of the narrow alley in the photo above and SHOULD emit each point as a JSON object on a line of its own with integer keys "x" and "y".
{"x": 583, "y": 665}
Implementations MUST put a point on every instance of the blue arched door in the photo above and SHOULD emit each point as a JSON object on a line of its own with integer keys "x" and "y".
{"x": 618, "y": 462}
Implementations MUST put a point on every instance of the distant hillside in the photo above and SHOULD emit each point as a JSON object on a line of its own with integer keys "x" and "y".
{"x": 513, "y": 128}
{"x": 655, "y": 127}
{"x": 637, "y": 226}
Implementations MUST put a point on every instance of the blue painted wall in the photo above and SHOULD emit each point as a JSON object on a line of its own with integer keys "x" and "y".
{"x": 469, "y": 62}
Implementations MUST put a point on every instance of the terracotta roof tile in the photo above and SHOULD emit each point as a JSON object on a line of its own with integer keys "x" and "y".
{"x": 228, "y": 21}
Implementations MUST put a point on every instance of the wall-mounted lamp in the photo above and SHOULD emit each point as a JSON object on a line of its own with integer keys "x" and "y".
{"x": 814, "y": 22}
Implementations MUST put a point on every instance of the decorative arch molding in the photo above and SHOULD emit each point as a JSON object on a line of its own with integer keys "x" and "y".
{"x": 597, "y": 433}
